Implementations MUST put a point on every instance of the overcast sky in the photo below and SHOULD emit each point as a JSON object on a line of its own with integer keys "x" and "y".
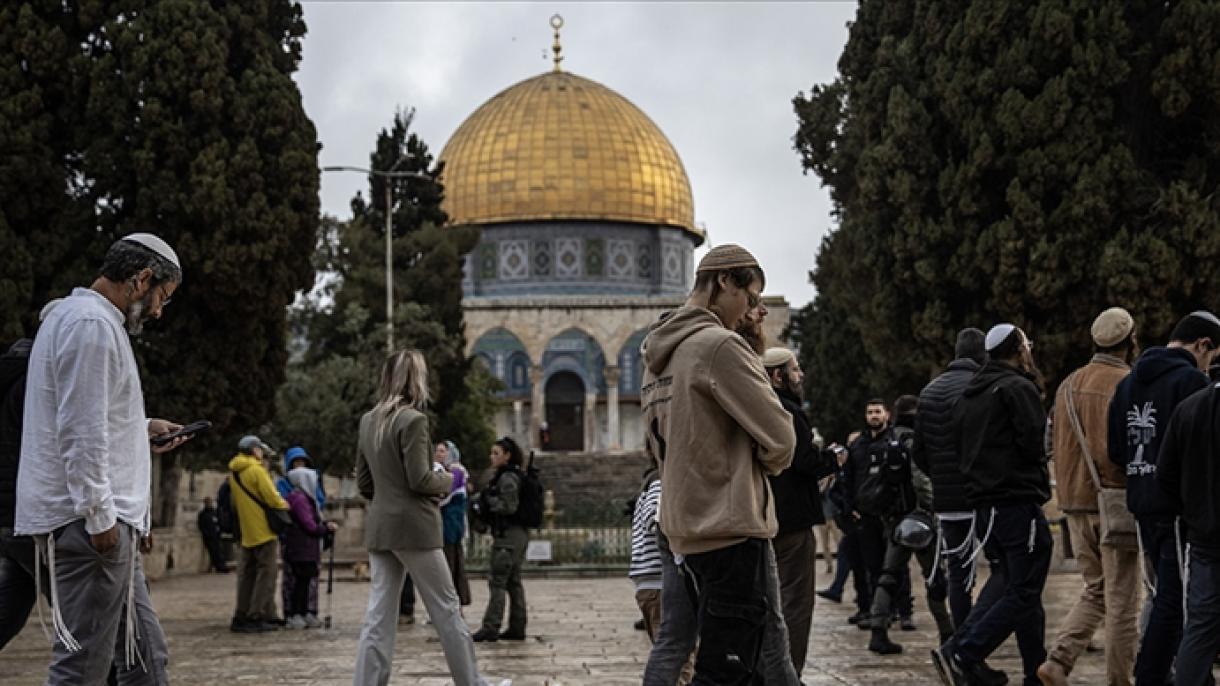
{"x": 718, "y": 78}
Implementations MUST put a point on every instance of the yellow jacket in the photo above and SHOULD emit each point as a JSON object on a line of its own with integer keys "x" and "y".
{"x": 250, "y": 515}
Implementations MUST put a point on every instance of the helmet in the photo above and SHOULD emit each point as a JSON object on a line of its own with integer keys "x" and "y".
{"x": 916, "y": 530}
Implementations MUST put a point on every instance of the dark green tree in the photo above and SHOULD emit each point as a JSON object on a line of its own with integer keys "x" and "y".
{"x": 427, "y": 259}
{"x": 180, "y": 118}
{"x": 1033, "y": 161}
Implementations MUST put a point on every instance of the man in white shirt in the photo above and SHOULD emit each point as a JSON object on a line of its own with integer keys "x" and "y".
{"x": 83, "y": 480}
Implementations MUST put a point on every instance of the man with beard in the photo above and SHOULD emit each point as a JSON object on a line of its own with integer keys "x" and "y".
{"x": 1111, "y": 573}
{"x": 716, "y": 430}
{"x": 1143, "y": 403}
{"x": 869, "y": 527}
{"x": 999, "y": 423}
{"x": 798, "y": 506}
{"x": 83, "y": 480}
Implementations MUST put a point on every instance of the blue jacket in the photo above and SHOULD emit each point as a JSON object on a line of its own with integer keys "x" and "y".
{"x": 1139, "y": 414}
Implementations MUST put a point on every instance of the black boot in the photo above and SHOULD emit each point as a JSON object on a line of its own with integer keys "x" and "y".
{"x": 882, "y": 645}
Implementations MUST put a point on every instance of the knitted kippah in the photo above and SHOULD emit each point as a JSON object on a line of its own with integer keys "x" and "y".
{"x": 727, "y": 256}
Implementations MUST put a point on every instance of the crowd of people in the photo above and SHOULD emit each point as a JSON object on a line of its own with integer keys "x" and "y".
{"x": 723, "y": 552}
{"x": 723, "y": 546}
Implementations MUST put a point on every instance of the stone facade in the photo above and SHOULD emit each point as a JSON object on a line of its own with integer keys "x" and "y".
{"x": 526, "y": 342}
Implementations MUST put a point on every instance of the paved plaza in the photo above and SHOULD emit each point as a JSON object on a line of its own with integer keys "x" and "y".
{"x": 580, "y": 633}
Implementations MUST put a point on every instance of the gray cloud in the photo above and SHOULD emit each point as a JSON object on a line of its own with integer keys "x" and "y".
{"x": 717, "y": 78}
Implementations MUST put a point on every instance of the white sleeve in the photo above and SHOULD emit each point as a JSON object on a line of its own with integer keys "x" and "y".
{"x": 86, "y": 366}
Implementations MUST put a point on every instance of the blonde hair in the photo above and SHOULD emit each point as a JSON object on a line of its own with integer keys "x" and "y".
{"x": 404, "y": 385}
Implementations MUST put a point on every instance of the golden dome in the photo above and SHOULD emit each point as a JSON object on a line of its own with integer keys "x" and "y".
{"x": 559, "y": 146}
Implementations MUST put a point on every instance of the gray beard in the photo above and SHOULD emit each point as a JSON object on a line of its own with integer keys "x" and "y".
{"x": 136, "y": 317}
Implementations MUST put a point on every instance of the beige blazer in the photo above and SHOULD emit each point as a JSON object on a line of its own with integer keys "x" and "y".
{"x": 395, "y": 474}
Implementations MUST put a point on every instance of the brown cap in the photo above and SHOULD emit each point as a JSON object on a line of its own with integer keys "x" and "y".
{"x": 727, "y": 256}
{"x": 1112, "y": 327}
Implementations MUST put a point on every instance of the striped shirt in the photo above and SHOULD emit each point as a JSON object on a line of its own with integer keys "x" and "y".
{"x": 645, "y": 568}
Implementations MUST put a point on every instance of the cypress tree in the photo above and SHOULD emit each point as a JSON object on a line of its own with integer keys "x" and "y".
{"x": 1033, "y": 161}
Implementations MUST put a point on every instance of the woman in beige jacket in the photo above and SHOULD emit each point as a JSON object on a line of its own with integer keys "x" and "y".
{"x": 395, "y": 472}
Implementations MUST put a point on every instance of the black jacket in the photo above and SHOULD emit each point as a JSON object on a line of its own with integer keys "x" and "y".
{"x": 856, "y": 468}
{"x": 1188, "y": 468}
{"x": 13, "y": 366}
{"x": 935, "y": 445}
{"x": 999, "y": 423}
{"x": 798, "y": 504}
{"x": 209, "y": 523}
{"x": 1139, "y": 414}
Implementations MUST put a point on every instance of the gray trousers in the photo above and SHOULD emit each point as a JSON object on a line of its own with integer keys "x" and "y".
{"x": 433, "y": 583}
{"x": 92, "y": 588}
{"x": 670, "y": 660}
{"x": 256, "y": 571}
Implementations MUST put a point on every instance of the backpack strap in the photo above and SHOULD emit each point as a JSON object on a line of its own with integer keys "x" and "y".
{"x": 1069, "y": 397}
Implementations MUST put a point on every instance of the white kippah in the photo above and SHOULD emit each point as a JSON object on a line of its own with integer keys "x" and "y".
{"x": 154, "y": 244}
{"x": 997, "y": 335}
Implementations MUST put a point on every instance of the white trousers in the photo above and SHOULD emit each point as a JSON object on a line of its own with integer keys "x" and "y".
{"x": 433, "y": 583}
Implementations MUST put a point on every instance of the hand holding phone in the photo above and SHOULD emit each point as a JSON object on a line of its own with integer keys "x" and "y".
{"x": 186, "y": 431}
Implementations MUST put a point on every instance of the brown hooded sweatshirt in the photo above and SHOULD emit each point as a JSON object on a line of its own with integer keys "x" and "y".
{"x": 716, "y": 428}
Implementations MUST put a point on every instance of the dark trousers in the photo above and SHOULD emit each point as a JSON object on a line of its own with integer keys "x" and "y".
{"x": 406, "y": 602}
{"x": 848, "y": 560}
{"x": 1164, "y": 630}
{"x": 731, "y": 612}
{"x": 895, "y": 569}
{"x": 16, "y": 583}
{"x": 795, "y": 561}
{"x": 1020, "y": 544}
{"x": 1201, "y": 639}
{"x": 957, "y": 567}
{"x": 303, "y": 574}
{"x": 872, "y": 551}
{"x": 216, "y": 553}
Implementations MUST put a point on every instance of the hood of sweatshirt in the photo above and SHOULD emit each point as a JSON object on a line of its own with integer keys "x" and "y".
{"x": 241, "y": 462}
{"x": 1159, "y": 361}
{"x": 986, "y": 377}
{"x": 668, "y": 333}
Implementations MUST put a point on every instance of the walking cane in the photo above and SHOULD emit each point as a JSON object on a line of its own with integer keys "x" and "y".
{"x": 330, "y": 584}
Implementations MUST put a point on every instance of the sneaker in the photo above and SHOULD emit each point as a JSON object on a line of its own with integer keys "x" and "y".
{"x": 942, "y": 660}
{"x": 295, "y": 622}
{"x": 882, "y": 645}
{"x": 978, "y": 674}
{"x": 831, "y": 596}
{"x": 511, "y": 635}
{"x": 312, "y": 621}
{"x": 857, "y": 618}
{"x": 485, "y": 635}
{"x": 242, "y": 626}
{"x": 907, "y": 623}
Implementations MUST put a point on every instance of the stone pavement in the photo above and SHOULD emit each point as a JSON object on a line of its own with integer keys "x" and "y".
{"x": 580, "y": 633}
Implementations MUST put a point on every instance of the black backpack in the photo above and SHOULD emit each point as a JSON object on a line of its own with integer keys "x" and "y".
{"x": 886, "y": 489}
{"x": 529, "y": 506}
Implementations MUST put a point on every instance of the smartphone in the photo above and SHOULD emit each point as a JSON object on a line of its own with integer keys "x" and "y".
{"x": 188, "y": 430}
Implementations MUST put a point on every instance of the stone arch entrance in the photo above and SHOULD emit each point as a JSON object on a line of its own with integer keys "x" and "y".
{"x": 565, "y": 417}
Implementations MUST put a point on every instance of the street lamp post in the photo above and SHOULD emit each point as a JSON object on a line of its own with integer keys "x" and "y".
{"x": 389, "y": 233}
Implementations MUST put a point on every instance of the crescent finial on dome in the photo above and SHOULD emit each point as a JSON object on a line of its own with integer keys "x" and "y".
{"x": 557, "y": 23}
